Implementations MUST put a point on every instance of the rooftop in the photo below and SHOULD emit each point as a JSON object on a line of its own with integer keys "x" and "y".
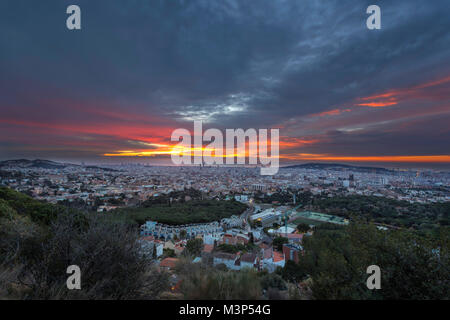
{"x": 248, "y": 257}
{"x": 168, "y": 263}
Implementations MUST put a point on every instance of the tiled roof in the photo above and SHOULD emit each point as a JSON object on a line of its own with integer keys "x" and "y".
{"x": 248, "y": 257}
{"x": 268, "y": 253}
{"x": 292, "y": 235}
{"x": 264, "y": 246}
{"x": 225, "y": 256}
{"x": 278, "y": 256}
{"x": 168, "y": 263}
{"x": 208, "y": 248}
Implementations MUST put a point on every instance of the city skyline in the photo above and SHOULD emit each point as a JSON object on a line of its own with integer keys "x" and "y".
{"x": 116, "y": 89}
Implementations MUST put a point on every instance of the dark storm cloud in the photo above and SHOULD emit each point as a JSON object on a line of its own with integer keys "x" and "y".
{"x": 232, "y": 63}
{"x": 167, "y": 53}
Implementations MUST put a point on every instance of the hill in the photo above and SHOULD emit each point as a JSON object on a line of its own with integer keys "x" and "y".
{"x": 338, "y": 167}
{"x": 44, "y": 164}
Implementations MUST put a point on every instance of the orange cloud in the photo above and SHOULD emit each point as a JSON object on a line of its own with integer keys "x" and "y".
{"x": 377, "y": 104}
{"x": 333, "y": 112}
{"x": 394, "y": 96}
{"x": 288, "y": 142}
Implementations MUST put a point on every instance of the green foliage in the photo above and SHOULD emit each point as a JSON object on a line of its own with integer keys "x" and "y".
{"x": 174, "y": 196}
{"x": 229, "y": 248}
{"x": 6, "y": 212}
{"x": 212, "y": 284}
{"x": 108, "y": 255}
{"x": 412, "y": 266}
{"x": 424, "y": 217}
{"x": 303, "y": 227}
{"x": 195, "y": 211}
{"x": 194, "y": 247}
{"x": 39, "y": 212}
{"x": 154, "y": 254}
{"x": 169, "y": 253}
{"x": 278, "y": 243}
{"x": 273, "y": 280}
{"x": 39, "y": 249}
{"x": 292, "y": 272}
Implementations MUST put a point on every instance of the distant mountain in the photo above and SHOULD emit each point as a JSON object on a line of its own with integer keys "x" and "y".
{"x": 38, "y": 163}
{"x": 337, "y": 167}
{"x": 44, "y": 164}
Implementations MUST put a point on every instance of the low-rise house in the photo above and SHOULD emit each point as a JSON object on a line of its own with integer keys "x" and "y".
{"x": 249, "y": 260}
{"x": 272, "y": 259}
{"x": 169, "y": 245}
{"x": 230, "y": 260}
{"x": 148, "y": 244}
{"x": 210, "y": 238}
{"x": 207, "y": 248}
{"x": 293, "y": 237}
{"x": 279, "y": 259}
{"x": 168, "y": 264}
{"x": 242, "y": 239}
{"x": 256, "y": 235}
{"x": 228, "y": 239}
{"x": 292, "y": 251}
{"x": 179, "y": 247}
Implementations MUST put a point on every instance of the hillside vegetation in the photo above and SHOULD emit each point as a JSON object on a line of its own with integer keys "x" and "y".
{"x": 177, "y": 213}
{"x": 38, "y": 241}
{"x": 424, "y": 217}
{"x": 14, "y": 204}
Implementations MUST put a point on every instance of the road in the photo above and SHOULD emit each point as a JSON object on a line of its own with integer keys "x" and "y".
{"x": 244, "y": 216}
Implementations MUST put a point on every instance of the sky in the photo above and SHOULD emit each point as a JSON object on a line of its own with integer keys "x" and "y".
{"x": 137, "y": 70}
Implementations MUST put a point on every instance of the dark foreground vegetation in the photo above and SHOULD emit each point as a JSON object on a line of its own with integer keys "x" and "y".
{"x": 35, "y": 252}
{"x": 413, "y": 266}
{"x": 38, "y": 241}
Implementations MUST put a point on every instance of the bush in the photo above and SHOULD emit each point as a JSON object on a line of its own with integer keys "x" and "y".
{"x": 273, "y": 281}
{"x": 109, "y": 256}
{"x": 212, "y": 284}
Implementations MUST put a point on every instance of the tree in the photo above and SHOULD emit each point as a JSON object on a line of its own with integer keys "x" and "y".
{"x": 412, "y": 266}
{"x": 169, "y": 253}
{"x": 278, "y": 243}
{"x": 108, "y": 254}
{"x": 303, "y": 227}
{"x": 194, "y": 247}
{"x": 212, "y": 284}
{"x": 272, "y": 280}
{"x": 252, "y": 239}
{"x": 183, "y": 234}
{"x": 292, "y": 272}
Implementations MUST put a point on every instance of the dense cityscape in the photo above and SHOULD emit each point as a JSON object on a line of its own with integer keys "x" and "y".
{"x": 110, "y": 187}
{"x": 263, "y": 234}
